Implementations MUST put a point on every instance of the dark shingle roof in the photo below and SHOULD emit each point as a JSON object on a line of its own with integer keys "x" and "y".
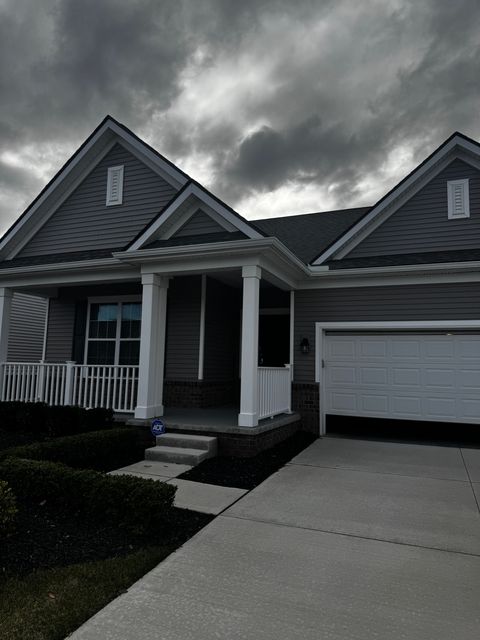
{"x": 309, "y": 234}
{"x": 430, "y": 257}
{"x": 52, "y": 258}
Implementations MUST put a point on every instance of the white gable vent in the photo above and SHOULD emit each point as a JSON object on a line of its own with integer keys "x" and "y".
{"x": 115, "y": 185}
{"x": 458, "y": 199}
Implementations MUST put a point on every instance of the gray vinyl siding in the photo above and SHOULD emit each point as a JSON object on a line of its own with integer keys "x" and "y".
{"x": 61, "y": 322}
{"x": 183, "y": 328}
{"x": 422, "y": 224}
{"x": 450, "y": 301}
{"x": 222, "y": 332}
{"x": 84, "y": 221}
{"x": 27, "y": 328}
{"x": 199, "y": 224}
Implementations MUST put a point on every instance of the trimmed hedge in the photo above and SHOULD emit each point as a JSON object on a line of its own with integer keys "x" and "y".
{"x": 8, "y": 510}
{"x": 38, "y": 417}
{"x": 99, "y": 450}
{"x": 134, "y": 504}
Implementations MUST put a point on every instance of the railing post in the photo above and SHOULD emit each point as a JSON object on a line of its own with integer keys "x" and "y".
{"x": 5, "y": 309}
{"x": 68, "y": 397}
{"x": 41, "y": 382}
{"x": 289, "y": 392}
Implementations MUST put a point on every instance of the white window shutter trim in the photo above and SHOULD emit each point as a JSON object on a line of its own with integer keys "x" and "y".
{"x": 458, "y": 199}
{"x": 115, "y": 185}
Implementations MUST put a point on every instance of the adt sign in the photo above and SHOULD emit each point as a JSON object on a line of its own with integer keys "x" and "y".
{"x": 157, "y": 427}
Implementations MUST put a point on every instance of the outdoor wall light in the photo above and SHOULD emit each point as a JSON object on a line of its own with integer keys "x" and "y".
{"x": 305, "y": 345}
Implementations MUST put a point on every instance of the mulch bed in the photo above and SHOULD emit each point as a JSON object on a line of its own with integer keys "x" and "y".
{"x": 46, "y": 538}
{"x": 247, "y": 473}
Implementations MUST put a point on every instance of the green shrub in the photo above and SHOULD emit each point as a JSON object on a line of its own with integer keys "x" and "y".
{"x": 100, "y": 450}
{"x": 38, "y": 417}
{"x": 8, "y": 510}
{"x": 134, "y": 504}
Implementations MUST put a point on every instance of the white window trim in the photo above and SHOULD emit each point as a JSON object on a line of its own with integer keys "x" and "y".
{"x": 111, "y": 201}
{"x": 119, "y": 301}
{"x": 451, "y": 184}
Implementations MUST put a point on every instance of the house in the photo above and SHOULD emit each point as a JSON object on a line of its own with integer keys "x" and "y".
{"x": 160, "y": 296}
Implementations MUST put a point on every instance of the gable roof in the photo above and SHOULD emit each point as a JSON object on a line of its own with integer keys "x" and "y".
{"x": 406, "y": 187}
{"x": 70, "y": 174}
{"x": 193, "y": 191}
{"x": 308, "y": 233}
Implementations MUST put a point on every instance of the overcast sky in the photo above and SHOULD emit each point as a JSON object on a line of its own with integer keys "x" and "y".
{"x": 278, "y": 106}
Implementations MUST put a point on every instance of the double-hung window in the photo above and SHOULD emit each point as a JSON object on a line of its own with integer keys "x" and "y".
{"x": 113, "y": 333}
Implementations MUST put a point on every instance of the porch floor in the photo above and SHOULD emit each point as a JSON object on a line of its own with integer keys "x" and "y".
{"x": 219, "y": 420}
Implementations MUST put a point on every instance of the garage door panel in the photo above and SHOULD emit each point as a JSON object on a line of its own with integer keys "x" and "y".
{"x": 468, "y": 348}
{"x": 405, "y": 377}
{"x": 440, "y": 408}
{"x": 372, "y": 349}
{"x": 445, "y": 378}
{"x": 418, "y": 377}
{"x": 406, "y": 406}
{"x": 343, "y": 402}
{"x": 469, "y": 379}
{"x": 373, "y": 375}
{"x": 404, "y": 349}
{"x": 342, "y": 375}
{"x": 438, "y": 349}
{"x": 376, "y": 404}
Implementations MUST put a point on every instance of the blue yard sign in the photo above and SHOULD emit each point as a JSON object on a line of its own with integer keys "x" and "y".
{"x": 157, "y": 427}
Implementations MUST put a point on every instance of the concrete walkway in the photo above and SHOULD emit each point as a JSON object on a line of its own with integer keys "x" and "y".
{"x": 353, "y": 540}
{"x": 196, "y": 496}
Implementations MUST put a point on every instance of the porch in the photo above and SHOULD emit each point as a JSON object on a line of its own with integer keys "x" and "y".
{"x": 116, "y": 387}
{"x": 201, "y": 350}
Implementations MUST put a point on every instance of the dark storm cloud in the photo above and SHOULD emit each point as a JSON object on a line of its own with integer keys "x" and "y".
{"x": 267, "y": 92}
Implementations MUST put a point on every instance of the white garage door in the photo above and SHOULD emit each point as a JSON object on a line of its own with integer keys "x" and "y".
{"x": 407, "y": 376}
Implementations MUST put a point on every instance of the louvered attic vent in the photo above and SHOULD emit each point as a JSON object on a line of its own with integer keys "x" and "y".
{"x": 115, "y": 185}
{"x": 458, "y": 199}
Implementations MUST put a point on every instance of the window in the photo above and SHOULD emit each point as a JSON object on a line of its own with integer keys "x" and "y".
{"x": 458, "y": 199}
{"x": 115, "y": 186}
{"x": 113, "y": 333}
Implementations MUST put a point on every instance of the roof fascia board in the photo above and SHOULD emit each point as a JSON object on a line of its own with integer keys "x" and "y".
{"x": 54, "y": 206}
{"x": 203, "y": 197}
{"x": 112, "y": 132}
{"x": 164, "y": 170}
{"x": 409, "y": 186}
{"x": 158, "y": 222}
{"x": 236, "y": 220}
{"x": 185, "y": 217}
{"x": 393, "y": 275}
{"x": 403, "y": 199}
{"x": 93, "y": 271}
{"x": 220, "y": 255}
{"x": 75, "y": 160}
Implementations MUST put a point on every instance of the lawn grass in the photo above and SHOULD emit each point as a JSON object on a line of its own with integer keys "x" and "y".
{"x": 51, "y": 603}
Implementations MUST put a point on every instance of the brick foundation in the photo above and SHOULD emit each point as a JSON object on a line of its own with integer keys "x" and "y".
{"x": 245, "y": 446}
{"x": 306, "y": 402}
{"x": 198, "y": 394}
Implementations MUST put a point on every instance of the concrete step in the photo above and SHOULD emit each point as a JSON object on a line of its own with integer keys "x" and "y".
{"x": 189, "y": 441}
{"x": 177, "y": 455}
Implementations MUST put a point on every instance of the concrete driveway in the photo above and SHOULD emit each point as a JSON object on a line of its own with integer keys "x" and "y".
{"x": 351, "y": 540}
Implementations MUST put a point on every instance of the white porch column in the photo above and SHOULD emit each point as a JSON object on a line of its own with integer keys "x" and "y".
{"x": 152, "y": 347}
{"x": 5, "y": 311}
{"x": 248, "y": 416}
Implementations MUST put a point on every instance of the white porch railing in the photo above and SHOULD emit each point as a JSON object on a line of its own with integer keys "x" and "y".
{"x": 274, "y": 391}
{"x": 87, "y": 386}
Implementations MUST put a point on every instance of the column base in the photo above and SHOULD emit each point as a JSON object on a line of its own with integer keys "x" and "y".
{"x": 247, "y": 420}
{"x": 144, "y": 413}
